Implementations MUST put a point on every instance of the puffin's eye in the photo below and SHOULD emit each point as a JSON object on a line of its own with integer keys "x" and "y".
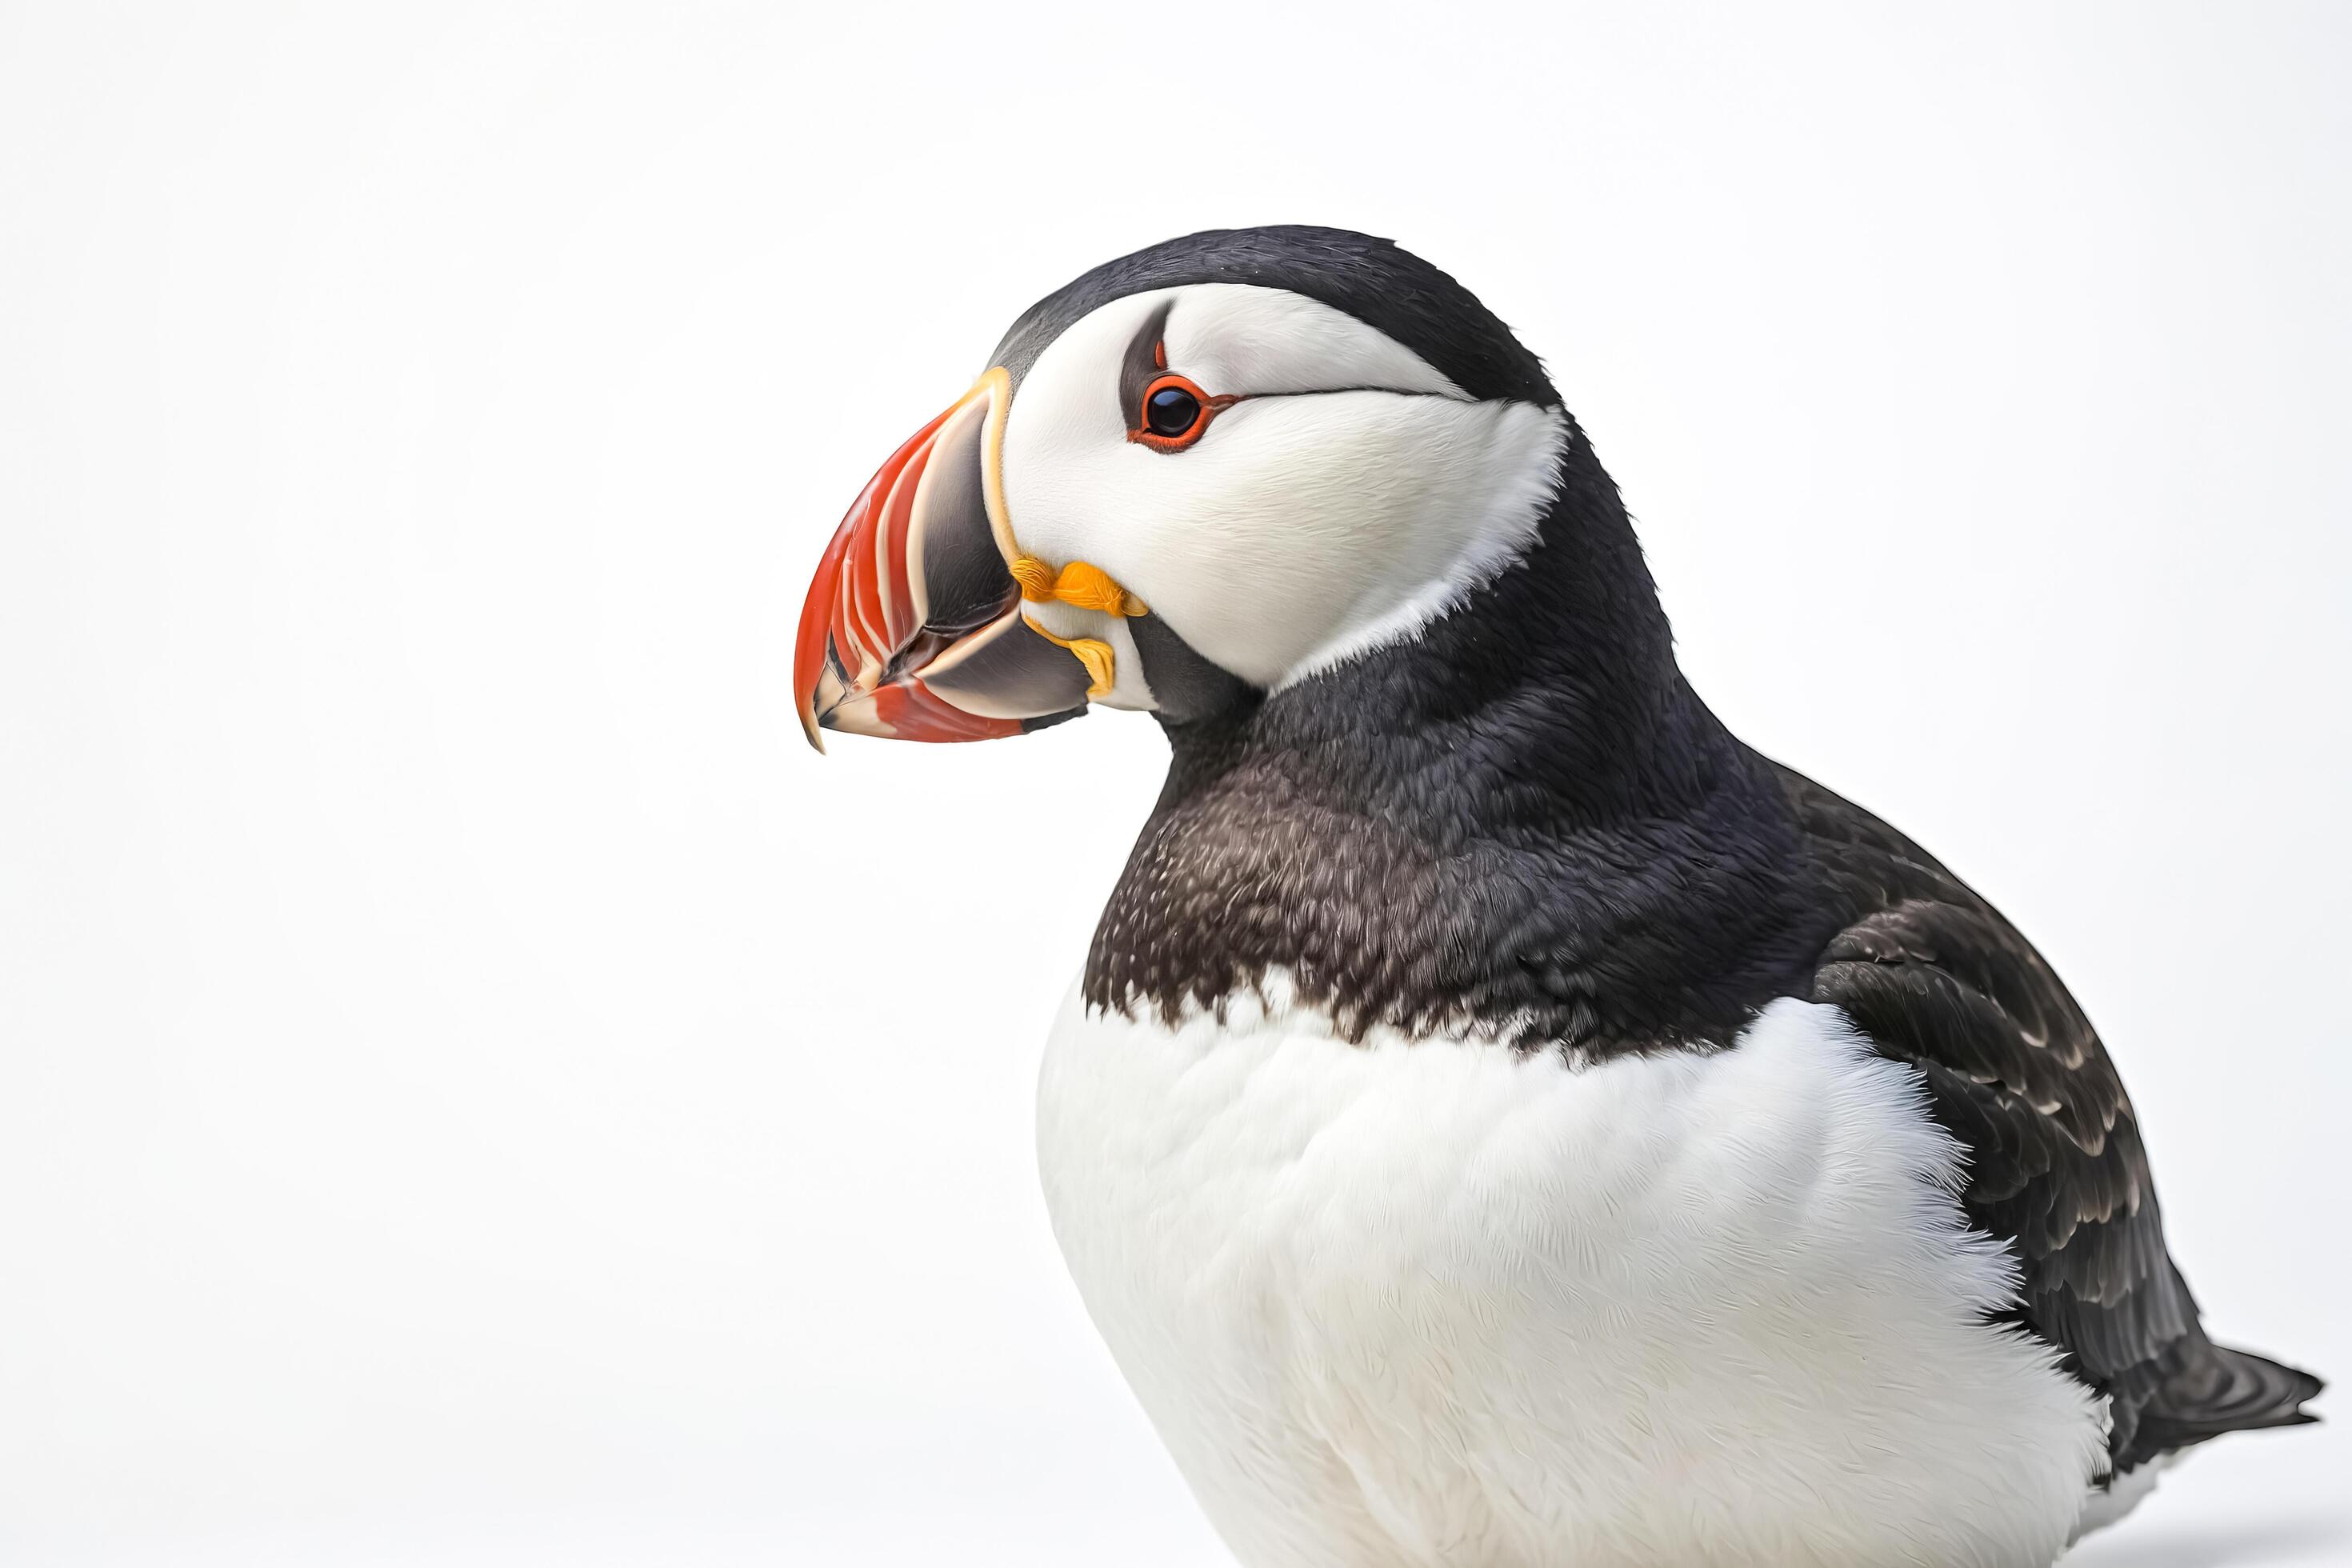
{"x": 1171, "y": 411}
{"x": 1174, "y": 412}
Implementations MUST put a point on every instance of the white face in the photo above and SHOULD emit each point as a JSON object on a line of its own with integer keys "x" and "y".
{"x": 1351, "y": 495}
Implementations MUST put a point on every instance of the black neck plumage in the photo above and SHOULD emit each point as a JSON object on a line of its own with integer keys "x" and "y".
{"x": 1521, "y": 825}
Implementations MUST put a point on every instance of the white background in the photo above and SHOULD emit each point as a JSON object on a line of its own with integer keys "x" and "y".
{"x": 475, "y": 1088}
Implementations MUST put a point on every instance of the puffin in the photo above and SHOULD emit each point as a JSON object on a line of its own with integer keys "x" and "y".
{"x": 1503, "y": 1120}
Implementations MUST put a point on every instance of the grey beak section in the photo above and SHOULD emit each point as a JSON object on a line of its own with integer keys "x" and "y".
{"x": 1008, "y": 672}
{"x": 953, "y": 551}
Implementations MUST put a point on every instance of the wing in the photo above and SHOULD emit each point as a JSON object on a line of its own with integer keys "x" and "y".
{"x": 1936, "y": 977}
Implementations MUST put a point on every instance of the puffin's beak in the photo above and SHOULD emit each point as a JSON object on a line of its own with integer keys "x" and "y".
{"x": 913, "y": 627}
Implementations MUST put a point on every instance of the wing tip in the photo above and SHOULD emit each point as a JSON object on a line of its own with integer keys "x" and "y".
{"x": 2254, "y": 1393}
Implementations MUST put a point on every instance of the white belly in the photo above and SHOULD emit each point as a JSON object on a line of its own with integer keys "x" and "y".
{"x": 1436, "y": 1303}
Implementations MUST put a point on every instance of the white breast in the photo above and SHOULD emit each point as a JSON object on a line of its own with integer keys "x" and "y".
{"x": 1437, "y": 1303}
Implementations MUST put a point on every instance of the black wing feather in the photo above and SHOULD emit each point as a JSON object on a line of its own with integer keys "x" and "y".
{"x": 1936, "y": 977}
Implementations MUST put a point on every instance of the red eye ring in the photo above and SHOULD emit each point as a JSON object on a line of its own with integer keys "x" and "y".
{"x": 1172, "y": 413}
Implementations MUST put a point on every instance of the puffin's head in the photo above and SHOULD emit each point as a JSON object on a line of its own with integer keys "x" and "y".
{"x": 1202, "y": 471}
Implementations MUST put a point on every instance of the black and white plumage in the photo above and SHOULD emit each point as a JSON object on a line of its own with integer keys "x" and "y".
{"x": 1503, "y": 1118}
